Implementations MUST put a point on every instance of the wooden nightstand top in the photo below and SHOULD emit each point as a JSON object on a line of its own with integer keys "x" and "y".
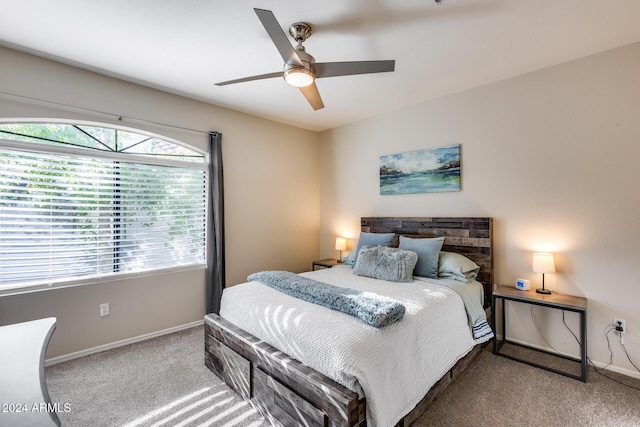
{"x": 328, "y": 263}
{"x": 554, "y": 299}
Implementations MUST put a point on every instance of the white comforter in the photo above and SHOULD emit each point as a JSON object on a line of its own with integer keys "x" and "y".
{"x": 393, "y": 367}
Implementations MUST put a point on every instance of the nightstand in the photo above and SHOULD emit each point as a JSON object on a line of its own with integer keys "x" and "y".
{"x": 327, "y": 263}
{"x": 554, "y": 300}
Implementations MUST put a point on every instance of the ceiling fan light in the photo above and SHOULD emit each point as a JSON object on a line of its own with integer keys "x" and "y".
{"x": 299, "y": 77}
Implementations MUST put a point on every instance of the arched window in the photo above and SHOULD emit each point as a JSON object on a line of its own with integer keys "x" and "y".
{"x": 80, "y": 203}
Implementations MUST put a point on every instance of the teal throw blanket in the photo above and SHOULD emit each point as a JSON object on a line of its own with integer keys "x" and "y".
{"x": 373, "y": 309}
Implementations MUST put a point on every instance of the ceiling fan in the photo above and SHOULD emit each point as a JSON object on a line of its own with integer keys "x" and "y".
{"x": 300, "y": 68}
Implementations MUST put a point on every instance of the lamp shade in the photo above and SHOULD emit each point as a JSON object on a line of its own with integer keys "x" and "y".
{"x": 543, "y": 263}
{"x": 341, "y": 244}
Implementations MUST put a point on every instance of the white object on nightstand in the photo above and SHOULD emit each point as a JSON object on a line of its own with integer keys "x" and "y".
{"x": 523, "y": 285}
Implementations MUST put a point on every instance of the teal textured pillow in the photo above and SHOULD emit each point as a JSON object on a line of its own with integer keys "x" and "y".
{"x": 385, "y": 263}
{"x": 373, "y": 239}
{"x": 428, "y": 251}
{"x": 350, "y": 259}
{"x": 457, "y": 267}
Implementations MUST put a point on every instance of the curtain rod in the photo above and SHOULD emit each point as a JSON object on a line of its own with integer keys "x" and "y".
{"x": 119, "y": 117}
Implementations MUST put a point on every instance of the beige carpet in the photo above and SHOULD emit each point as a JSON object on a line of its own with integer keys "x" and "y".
{"x": 495, "y": 391}
{"x": 159, "y": 382}
{"x": 163, "y": 382}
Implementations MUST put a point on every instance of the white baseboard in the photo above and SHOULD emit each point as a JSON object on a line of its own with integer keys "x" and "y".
{"x": 627, "y": 372}
{"x": 100, "y": 348}
{"x": 599, "y": 365}
{"x": 110, "y": 346}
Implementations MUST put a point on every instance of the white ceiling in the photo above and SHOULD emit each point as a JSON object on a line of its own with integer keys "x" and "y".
{"x": 185, "y": 46}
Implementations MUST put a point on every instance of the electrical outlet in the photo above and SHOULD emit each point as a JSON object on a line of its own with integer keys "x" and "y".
{"x": 104, "y": 309}
{"x": 623, "y": 324}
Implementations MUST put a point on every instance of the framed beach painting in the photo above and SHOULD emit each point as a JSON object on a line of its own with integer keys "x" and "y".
{"x": 423, "y": 171}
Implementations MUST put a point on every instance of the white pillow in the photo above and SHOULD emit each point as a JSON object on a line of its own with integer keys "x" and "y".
{"x": 458, "y": 267}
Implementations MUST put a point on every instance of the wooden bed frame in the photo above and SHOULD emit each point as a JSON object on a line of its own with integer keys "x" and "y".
{"x": 288, "y": 393}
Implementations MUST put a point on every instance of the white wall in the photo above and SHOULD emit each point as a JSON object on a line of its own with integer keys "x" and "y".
{"x": 551, "y": 156}
{"x": 266, "y": 227}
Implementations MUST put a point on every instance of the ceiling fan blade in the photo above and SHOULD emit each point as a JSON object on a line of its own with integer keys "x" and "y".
{"x": 334, "y": 69}
{"x": 279, "y": 38}
{"x": 248, "y": 79}
{"x": 313, "y": 96}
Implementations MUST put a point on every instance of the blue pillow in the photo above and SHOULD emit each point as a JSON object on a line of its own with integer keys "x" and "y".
{"x": 428, "y": 251}
{"x": 373, "y": 239}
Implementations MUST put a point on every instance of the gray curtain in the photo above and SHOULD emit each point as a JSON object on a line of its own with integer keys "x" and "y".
{"x": 215, "y": 240}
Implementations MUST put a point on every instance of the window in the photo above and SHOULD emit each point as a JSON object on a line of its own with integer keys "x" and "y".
{"x": 81, "y": 203}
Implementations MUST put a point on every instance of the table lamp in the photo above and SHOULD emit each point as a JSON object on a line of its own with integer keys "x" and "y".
{"x": 543, "y": 263}
{"x": 341, "y": 245}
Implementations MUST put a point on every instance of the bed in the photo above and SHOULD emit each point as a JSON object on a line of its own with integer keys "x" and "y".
{"x": 260, "y": 341}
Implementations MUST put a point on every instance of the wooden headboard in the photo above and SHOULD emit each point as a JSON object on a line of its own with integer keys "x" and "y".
{"x": 471, "y": 237}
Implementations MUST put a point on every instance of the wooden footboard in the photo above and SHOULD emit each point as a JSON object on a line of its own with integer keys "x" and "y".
{"x": 283, "y": 390}
{"x": 288, "y": 393}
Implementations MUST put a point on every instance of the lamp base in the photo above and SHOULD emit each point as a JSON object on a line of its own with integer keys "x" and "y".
{"x": 543, "y": 291}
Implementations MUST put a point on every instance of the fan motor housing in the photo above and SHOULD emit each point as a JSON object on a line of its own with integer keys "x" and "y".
{"x": 300, "y": 31}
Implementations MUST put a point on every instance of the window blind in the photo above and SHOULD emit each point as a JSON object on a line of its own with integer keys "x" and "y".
{"x": 68, "y": 217}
